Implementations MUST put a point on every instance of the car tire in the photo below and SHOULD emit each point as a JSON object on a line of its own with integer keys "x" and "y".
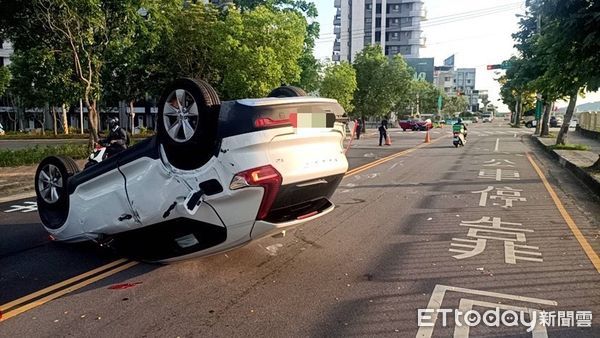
{"x": 191, "y": 129}
{"x": 287, "y": 91}
{"x": 52, "y": 191}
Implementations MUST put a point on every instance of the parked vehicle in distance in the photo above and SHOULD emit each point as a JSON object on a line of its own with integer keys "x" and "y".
{"x": 531, "y": 124}
{"x": 555, "y": 122}
{"x": 487, "y": 117}
{"x": 215, "y": 176}
{"x": 475, "y": 119}
{"x": 573, "y": 123}
{"x": 406, "y": 124}
{"x": 416, "y": 124}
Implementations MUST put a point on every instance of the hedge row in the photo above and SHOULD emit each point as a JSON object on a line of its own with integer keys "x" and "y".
{"x": 34, "y": 155}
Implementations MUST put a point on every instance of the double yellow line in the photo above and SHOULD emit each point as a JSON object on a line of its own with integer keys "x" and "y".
{"x": 43, "y": 296}
{"x": 50, "y": 293}
{"x": 388, "y": 158}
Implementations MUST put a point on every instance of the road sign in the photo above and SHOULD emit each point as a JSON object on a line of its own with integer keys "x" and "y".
{"x": 538, "y": 109}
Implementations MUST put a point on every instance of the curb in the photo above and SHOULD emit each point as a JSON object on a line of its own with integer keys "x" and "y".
{"x": 579, "y": 172}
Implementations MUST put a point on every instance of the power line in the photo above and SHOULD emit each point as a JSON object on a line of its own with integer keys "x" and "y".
{"x": 438, "y": 20}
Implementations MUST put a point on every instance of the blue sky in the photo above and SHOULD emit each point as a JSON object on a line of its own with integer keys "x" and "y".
{"x": 476, "y": 40}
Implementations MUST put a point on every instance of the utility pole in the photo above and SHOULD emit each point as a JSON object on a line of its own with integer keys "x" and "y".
{"x": 81, "y": 115}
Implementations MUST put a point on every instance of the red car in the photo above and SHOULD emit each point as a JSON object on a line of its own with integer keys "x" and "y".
{"x": 416, "y": 124}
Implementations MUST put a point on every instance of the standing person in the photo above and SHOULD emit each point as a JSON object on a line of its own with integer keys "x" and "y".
{"x": 382, "y": 131}
{"x": 358, "y": 129}
{"x": 384, "y": 123}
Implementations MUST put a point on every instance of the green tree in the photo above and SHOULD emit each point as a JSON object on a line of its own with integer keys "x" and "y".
{"x": 241, "y": 53}
{"x": 131, "y": 64}
{"x": 423, "y": 95}
{"x": 260, "y": 51}
{"x": 42, "y": 77}
{"x": 455, "y": 104}
{"x": 310, "y": 66}
{"x": 381, "y": 82}
{"x": 566, "y": 46}
{"x": 339, "y": 82}
{"x": 90, "y": 30}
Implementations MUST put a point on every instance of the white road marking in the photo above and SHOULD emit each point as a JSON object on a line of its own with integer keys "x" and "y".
{"x": 373, "y": 175}
{"x": 393, "y": 166}
{"x": 437, "y": 297}
{"x": 29, "y": 207}
{"x": 497, "y": 144}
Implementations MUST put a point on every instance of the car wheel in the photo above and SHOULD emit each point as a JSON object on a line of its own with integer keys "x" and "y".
{"x": 287, "y": 91}
{"x": 51, "y": 189}
{"x": 188, "y": 114}
{"x": 403, "y": 129}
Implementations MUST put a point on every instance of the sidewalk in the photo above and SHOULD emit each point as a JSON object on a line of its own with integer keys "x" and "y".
{"x": 577, "y": 161}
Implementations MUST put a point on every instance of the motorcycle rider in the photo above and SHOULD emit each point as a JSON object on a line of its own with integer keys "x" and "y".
{"x": 117, "y": 139}
{"x": 459, "y": 121}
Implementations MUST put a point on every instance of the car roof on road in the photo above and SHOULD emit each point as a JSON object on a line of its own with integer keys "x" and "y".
{"x": 267, "y": 101}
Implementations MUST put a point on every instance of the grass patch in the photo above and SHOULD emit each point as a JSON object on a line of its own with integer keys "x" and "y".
{"x": 34, "y": 155}
{"x": 569, "y": 147}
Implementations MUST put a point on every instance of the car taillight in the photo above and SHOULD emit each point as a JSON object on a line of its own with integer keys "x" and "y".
{"x": 265, "y": 122}
{"x": 266, "y": 177}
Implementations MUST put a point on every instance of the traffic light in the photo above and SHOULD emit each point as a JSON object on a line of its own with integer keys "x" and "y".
{"x": 504, "y": 65}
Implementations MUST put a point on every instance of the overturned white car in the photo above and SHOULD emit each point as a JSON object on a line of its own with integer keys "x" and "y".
{"x": 216, "y": 175}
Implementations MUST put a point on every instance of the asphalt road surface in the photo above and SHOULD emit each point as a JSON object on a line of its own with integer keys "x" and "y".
{"x": 438, "y": 227}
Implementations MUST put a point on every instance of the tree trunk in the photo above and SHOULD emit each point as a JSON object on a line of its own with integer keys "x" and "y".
{"x": 65, "y": 120}
{"x": 132, "y": 116}
{"x": 564, "y": 129}
{"x": 43, "y": 121}
{"x": 545, "y": 131}
{"x": 517, "y": 122}
{"x": 54, "y": 121}
{"x": 92, "y": 121}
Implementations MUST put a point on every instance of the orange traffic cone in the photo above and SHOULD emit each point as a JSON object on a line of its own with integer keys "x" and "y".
{"x": 388, "y": 140}
{"x": 427, "y": 137}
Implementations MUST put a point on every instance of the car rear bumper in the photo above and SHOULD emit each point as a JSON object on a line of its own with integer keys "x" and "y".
{"x": 265, "y": 228}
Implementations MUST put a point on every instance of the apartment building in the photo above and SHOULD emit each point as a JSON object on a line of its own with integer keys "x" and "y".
{"x": 393, "y": 24}
{"x": 6, "y": 51}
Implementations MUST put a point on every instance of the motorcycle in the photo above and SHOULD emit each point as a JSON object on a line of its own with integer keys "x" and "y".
{"x": 458, "y": 138}
{"x": 98, "y": 155}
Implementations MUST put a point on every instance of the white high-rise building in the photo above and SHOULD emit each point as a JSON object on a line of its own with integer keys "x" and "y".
{"x": 393, "y": 24}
